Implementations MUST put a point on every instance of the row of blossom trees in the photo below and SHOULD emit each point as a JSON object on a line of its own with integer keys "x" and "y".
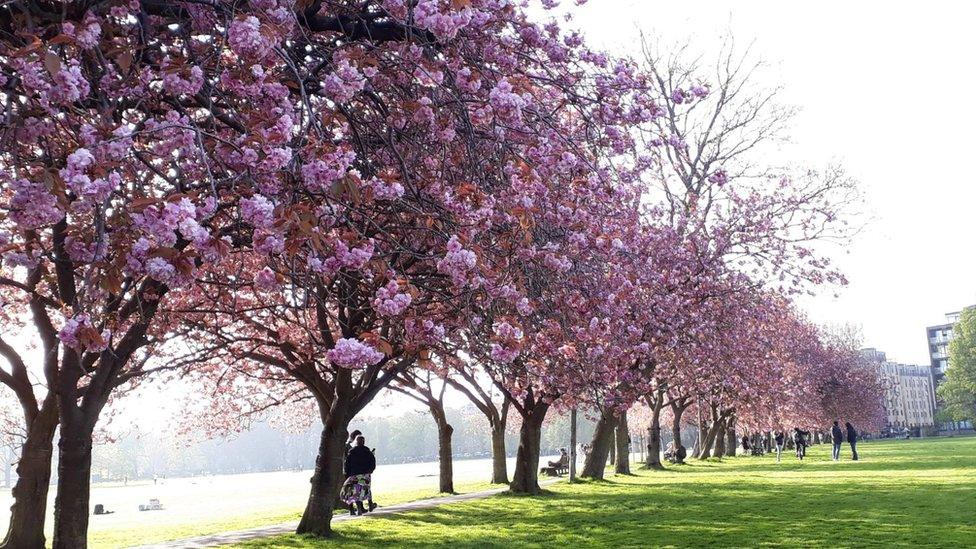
{"x": 314, "y": 201}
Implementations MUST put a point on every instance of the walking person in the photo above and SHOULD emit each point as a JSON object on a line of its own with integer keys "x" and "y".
{"x": 799, "y": 441}
{"x": 852, "y": 439}
{"x": 837, "y": 436}
{"x": 359, "y": 466}
{"x": 780, "y": 439}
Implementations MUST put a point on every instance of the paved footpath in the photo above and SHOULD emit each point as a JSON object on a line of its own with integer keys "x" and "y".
{"x": 227, "y": 538}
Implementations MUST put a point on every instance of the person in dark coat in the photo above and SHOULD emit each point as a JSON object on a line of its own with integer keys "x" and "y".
{"x": 852, "y": 439}
{"x": 359, "y": 466}
{"x": 837, "y": 436}
{"x": 800, "y": 441}
{"x": 780, "y": 440}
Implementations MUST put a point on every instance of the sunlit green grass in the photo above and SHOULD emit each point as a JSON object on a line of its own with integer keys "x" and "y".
{"x": 388, "y": 495}
{"x": 901, "y": 493}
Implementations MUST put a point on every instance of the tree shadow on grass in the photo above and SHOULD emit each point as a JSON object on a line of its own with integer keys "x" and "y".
{"x": 743, "y": 503}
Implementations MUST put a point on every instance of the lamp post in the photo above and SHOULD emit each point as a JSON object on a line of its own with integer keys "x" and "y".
{"x": 572, "y": 445}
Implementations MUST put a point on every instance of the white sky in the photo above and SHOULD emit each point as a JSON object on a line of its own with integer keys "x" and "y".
{"x": 885, "y": 89}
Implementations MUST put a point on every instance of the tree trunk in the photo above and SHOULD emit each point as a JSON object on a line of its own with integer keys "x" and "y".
{"x": 719, "y": 449}
{"x": 71, "y": 506}
{"x": 703, "y": 429}
{"x": 816, "y": 437}
{"x": 29, "y": 510}
{"x": 328, "y": 475}
{"x": 654, "y": 435}
{"x": 596, "y": 463}
{"x": 676, "y": 428}
{"x": 499, "y": 457}
{"x": 623, "y": 445}
{"x": 499, "y": 465}
{"x": 732, "y": 440}
{"x": 572, "y": 445}
{"x": 705, "y": 449}
{"x": 445, "y": 454}
{"x": 525, "y": 480}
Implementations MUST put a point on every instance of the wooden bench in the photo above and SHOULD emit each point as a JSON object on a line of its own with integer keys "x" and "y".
{"x": 555, "y": 471}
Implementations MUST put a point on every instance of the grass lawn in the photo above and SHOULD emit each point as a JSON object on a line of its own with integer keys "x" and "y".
{"x": 901, "y": 493}
{"x": 156, "y": 533}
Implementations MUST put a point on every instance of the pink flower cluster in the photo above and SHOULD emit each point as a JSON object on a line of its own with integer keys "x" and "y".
{"x": 344, "y": 82}
{"x": 162, "y": 227}
{"x": 507, "y": 344}
{"x": 33, "y": 206}
{"x": 719, "y": 177}
{"x": 178, "y": 83}
{"x": 457, "y": 262}
{"x": 266, "y": 280}
{"x": 506, "y": 104}
{"x": 79, "y": 334}
{"x": 389, "y": 301}
{"x": 353, "y": 354}
{"x": 257, "y": 211}
{"x": 423, "y": 331}
{"x": 246, "y": 40}
{"x": 78, "y": 181}
{"x": 320, "y": 174}
{"x": 86, "y": 34}
{"x": 343, "y": 258}
{"x": 70, "y": 85}
{"x": 385, "y": 190}
{"x": 443, "y": 24}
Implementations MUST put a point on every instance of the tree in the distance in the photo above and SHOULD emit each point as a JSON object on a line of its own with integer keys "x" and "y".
{"x": 958, "y": 389}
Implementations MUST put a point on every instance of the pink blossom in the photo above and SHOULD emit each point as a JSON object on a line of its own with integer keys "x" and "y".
{"x": 344, "y": 82}
{"x": 246, "y": 40}
{"x": 70, "y": 84}
{"x": 443, "y": 24}
{"x": 353, "y": 354}
{"x": 160, "y": 269}
{"x": 174, "y": 83}
{"x": 267, "y": 243}
{"x": 85, "y": 34}
{"x": 389, "y": 301}
{"x": 385, "y": 190}
{"x": 457, "y": 262}
{"x": 258, "y": 211}
{"x": 506, "y": 103}
{"x": 33, "y": 206}
{"x": 266, "y": 280}
{"x": 320, "y": 174}
{"x": 80, "y": 334}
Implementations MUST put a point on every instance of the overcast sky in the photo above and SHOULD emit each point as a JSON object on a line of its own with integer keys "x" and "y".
{"x": 884, "y": 88}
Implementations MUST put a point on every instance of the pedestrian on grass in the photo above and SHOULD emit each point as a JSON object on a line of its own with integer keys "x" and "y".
{"x": 837, "y": 436}
{"x": 852, "y": 439}
{"x": 780, "y": 439}
{"x": 800, "y": 442}
{"x": 359, "y": 466}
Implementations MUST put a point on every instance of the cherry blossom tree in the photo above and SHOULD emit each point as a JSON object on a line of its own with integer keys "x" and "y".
{"x": 134, "y": 128}
{"x": 467, "y": 379}
{"x": 428, "y": 387}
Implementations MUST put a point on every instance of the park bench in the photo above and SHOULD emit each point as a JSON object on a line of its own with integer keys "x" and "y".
{"x": 153, "y": 505}
{"x": 556, "y": 471}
